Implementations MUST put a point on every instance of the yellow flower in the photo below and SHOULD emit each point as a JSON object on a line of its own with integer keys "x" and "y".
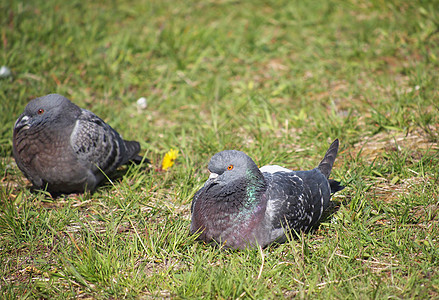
{"x": 168, "y": 160}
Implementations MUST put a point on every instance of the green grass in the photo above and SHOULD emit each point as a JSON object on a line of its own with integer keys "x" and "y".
{"x": 277, "y": 79}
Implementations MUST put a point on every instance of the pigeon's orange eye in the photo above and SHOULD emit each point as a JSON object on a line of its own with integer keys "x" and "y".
{"x": 230, "y": 167}
{"x": 40, "y": 111}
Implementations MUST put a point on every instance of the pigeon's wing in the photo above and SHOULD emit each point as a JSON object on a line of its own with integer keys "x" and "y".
{"x": 194, "y": 199}
{"x": 197, "y": 219}
{"x": 96, "y": 143}
{"x": 296, "y": 199}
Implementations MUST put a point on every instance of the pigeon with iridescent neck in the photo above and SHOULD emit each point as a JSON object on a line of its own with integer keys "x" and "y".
{"x": 243, "y": 206}
{"x": 64, "y": 148}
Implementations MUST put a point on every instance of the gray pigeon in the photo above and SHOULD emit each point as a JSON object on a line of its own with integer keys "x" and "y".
{"x": 241, "y": 205}
{"x": 66, "y": 149}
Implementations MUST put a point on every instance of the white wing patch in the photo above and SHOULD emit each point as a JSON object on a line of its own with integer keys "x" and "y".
{"x": 74, "y": 132}
{"x": 273, "y": 169}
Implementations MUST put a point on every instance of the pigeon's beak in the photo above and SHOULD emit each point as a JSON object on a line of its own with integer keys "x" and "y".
{"x": 213, "y": 176}
{"x": 211, "y": 181}
{"x": 22, "y": 123}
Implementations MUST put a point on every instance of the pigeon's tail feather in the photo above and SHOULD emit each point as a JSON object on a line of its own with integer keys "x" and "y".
{"x": 132, "y": 150}
{"x": 327, "y": 162}
{"x": 335, "y": 186}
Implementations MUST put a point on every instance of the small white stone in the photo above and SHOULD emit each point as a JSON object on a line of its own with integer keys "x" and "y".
{"x": 142, "y": 103}
{"x": 5, "y": 72}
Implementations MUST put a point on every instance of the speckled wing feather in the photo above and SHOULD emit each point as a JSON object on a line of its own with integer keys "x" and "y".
{"x": 96, "y": 143}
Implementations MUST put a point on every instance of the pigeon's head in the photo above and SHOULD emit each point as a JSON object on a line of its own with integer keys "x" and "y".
{"x": 229, "y": 165}
{"x": 52, "y": 109}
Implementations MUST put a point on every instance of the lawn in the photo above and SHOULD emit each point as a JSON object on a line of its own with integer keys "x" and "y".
{"x": 278, "y": 80}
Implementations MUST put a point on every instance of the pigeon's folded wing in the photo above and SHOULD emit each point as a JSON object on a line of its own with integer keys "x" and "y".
{"x": 288, "y": 200}
{"x": 95, "y": 142}
{"x": 296, "y": 199}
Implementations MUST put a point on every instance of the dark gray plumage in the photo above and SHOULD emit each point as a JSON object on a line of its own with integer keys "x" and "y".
{"x": 241, "y": 205}
{"x": 62, "y": 147}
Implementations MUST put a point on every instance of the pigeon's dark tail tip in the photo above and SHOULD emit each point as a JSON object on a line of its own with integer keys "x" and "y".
{"x": 327, "y": 162}
{"x": 139, "y": 159}
{"x": 335, "y": 186}
{"x": 133, "y": 148}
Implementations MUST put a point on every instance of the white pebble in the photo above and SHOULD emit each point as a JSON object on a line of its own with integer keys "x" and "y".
{"x": 5, "y": 72}
{"x": 142, "y": 103}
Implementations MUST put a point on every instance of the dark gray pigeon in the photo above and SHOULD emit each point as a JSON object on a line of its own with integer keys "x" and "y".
{"x": 241, "y": 205}
{"x": 64, "y": 148}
